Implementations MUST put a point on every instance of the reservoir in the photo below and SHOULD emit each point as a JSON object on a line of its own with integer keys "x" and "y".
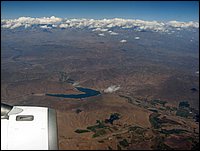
{"x": 87, "y": 93}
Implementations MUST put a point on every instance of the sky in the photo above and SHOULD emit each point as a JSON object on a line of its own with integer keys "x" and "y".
{"x": 144, "y": 10}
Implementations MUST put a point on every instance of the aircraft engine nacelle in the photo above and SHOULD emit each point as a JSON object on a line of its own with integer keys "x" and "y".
{"x": 28, "y": 128}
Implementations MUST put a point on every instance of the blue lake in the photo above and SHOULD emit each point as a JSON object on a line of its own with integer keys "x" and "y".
{"x": 87, "y": 93}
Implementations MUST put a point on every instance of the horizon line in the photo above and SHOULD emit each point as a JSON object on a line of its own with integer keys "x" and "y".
{"x": 97, "y": 18}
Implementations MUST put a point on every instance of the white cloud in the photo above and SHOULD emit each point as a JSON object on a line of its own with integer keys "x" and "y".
{"x": 45, "y": 27}
{"x": 99, "y": 29}
{"x": 123, "y": 41}
{"x": 101, "y": 34}
{"x": 28, "y": 21}
{"x": 16, "y": 25}
{"x": 111, "y": 89}
{"x": 63, "y": 25}
{"x": 75, "y": 84}
{"x": 113, "y": 33}
{"x": 183, "y": 24}
{"x": 101, "y": 25}
{"x": 27, "y": 25}
{"x": 55, "y": 26}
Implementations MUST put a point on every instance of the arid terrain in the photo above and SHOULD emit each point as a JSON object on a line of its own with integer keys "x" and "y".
{"x": 149, "y": 85}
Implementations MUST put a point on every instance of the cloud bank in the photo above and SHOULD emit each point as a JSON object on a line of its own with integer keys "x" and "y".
{"x": 102, "y": 25}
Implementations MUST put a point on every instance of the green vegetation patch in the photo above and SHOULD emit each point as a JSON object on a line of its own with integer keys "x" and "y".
{"x": 124, "y": 143}
{"x": 173, "y": 131}
{"x": 99, "y": 133}
{"x": 174, "y": 108}
{"x": 156, "y": 101}
{"x": 101, "y": 141}
{"x": 126, "y": 97}
{"x": 98, "y": 129}
{"x": 184, "y": 104}
{"x": 78, "y": 111}
{"x": 113, "y": 117}
{"x": 115, "y": 114}
{"x": 137, "y": 129}
{"x": 157, "y": 122}
{"x": 171, "y": 108}
{"x": 81, "y": 131}
{"x": 154, "y": 120}
{"x": 110, "y": 148}
{"x": 95, "y": 127}
{"x": 160, "y": 108}
{"x": 182, "y": 112}
{"x": 133, "y": 128}
{"x": 153, "y": 110}
{"x": 166, "y": 120}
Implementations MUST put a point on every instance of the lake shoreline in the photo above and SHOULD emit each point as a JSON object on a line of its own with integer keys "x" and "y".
{"x": 87, "y": 93}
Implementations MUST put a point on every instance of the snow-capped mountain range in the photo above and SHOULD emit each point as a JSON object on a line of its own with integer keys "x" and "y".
{"x": 97, "y": 25}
